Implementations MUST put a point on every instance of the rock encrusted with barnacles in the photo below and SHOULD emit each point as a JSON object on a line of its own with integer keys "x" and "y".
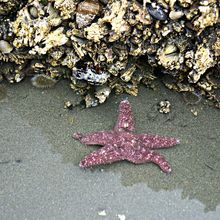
{"x": 97, "y": 44}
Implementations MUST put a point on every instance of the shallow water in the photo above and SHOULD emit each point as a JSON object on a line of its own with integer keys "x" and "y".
{"x": 47, "y": 182}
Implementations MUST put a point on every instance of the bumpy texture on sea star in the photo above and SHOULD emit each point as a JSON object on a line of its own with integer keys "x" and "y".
{"x": 122, "y": 143}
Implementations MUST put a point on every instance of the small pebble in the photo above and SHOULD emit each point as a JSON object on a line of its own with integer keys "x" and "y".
{"x": 68, "y": 105}
{"x": 164, "y": 107}
{"x": 121, "y": 217}
{"x": 102, "y": 213}
{"x": 194, "y": 112}
{"x": 174, "y": 15}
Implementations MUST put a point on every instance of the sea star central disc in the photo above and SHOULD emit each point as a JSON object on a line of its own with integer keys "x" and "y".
{"x": 122, "y": 143}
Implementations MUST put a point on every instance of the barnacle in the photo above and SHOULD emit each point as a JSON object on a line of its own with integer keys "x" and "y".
{"x": 209, "y": 15}
{"x": 203, "y": 60}
{"x": 66, "y": 7}
{"x": 53, "y": 39}
{"x": 102, "y": 93}
{"x": 16, "y": 57}
{"x": 29, "y": 29}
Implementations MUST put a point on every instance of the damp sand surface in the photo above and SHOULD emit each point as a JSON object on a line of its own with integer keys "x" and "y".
{"x": 40, "y": 177}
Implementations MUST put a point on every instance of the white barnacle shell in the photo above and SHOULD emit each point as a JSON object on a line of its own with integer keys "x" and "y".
{"x": 170, "y": 48}
{"x": 203, "y": 60}
{"x": 33, "y": 11}
{"x": 102, "y": 93}
{"x": 127, "y": 74}
{"x": 53, "y": 39}
{"x": 169, "y": 57}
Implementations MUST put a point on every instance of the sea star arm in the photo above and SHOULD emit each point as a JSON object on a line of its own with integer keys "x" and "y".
{"x": 104, "y": 155}
{"x": 150, "y": 156}
{"x": 94, "y": 138}
{"x": 125, "y": 118}
{"x": 156, "y": 141}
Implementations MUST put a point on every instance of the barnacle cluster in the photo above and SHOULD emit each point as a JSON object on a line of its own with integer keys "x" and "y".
{"x": 103, "y": 46}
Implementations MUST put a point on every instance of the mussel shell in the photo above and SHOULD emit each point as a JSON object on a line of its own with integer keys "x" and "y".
{"x": 157, "y": 12}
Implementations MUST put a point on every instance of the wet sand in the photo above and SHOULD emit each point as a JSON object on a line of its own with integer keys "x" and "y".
{"x": 40, "y": 177}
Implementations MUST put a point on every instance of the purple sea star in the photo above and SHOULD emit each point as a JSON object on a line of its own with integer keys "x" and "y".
{"x": 122, "y": 143}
